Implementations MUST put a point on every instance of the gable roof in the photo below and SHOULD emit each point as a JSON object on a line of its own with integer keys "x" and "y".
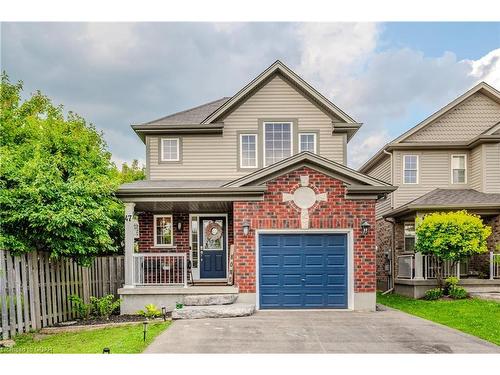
{"x": 481, "y": 87}
{"x": 279, "y": 68}
{"x": 450, "y": 199}
{"x": 356, "y": 182}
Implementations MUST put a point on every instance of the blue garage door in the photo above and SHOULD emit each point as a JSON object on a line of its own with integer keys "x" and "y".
{"x": 301, "y": 271}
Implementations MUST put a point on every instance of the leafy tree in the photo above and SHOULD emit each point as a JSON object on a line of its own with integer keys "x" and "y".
{"x": 453, "y": 236}
{"x": 132, "y": 173}
{"x": 57, "y": 180}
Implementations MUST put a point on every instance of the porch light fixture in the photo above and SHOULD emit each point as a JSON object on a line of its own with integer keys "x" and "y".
{"x": 246, "y": 227}
{"x": 179, "y": 226}
{"x": 365, "y": 225}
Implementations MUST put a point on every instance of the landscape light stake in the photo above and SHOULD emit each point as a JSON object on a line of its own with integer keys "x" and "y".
{"x": 145, "y": 329}
{"x": 106, "y": 351}
{"x": 164, "y": 312}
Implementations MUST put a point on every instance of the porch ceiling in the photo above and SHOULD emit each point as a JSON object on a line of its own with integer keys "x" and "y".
{"x": 191, "y": 207}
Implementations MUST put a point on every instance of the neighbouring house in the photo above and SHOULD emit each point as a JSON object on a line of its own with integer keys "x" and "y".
{"x": 450, "y": 161}
{"x": 250, "y": 196}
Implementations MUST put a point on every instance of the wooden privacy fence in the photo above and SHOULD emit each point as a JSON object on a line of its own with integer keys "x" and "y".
{"x": 34, "y": 289}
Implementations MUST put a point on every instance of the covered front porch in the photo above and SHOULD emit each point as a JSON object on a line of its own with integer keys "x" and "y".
{"x": 179, "y": 243}
{"x": 416, "y": 273}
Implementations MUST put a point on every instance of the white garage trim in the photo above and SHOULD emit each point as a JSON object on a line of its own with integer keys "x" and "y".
{"x": 350, "y": 257}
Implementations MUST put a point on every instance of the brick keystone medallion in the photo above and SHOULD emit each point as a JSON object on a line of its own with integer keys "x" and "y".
{"x": 304, "y": 198}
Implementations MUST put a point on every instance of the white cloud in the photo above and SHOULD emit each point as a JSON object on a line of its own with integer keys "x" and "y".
{"x": 382, "y": 88}
{"x": 487, "y": 68}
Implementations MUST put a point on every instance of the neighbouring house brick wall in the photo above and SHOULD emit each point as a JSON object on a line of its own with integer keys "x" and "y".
{"x": 384, "y": 245}
{"x": 336, "y": 212}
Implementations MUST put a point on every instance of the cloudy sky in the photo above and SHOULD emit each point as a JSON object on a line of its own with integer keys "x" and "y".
{"x": 389, "y": 76}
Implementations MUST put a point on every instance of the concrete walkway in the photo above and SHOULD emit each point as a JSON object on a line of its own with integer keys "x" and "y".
{"x": 388, "y": 331}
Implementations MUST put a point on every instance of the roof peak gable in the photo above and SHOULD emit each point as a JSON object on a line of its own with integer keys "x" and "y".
{"x": 279, "y": 67}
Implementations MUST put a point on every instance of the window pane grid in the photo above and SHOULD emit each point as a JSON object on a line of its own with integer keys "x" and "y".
{"x": 307, "y": 142}
{"x": 410, "y": 171}
{"x": 169, "y": 149}
{"x": 458, "y": 169}
{"x": 163, "y": 230}
{"x": 249, "y": 150}
{"x": 278, "y": 145}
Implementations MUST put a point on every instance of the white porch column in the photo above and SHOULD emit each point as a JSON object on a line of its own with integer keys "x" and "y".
{"x": 129, "y": 245}
{"x": 492, "y": 264}
{"x": 419, "y": 266}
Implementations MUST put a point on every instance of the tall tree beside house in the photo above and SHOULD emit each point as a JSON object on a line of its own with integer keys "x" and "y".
{"x": 453, "y": 236}
{"x": 57, "y": 180}
{"x": 133, "y": 172}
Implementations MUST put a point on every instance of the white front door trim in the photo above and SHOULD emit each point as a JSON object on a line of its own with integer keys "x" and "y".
{"x": 196, "y": 271}
{"x": 350, "y": 257}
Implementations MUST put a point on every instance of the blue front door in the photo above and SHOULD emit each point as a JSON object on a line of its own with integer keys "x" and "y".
{"x": 213, "y": 252}
{"x": 300, "y": 271}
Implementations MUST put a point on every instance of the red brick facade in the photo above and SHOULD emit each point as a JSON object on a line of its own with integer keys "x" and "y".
{"x": 336, "y": 212}
{"x": 146, "y": 233}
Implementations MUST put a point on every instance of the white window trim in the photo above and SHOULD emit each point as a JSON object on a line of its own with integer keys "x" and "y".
{"x": 178, "y": 149}
{"x": 404, "y": 235}
{"x": 256, "y": 151}
{"x": 264, "y": 138}
{"x": 154, "y": 230}
{"x": 451, "y": 169}
{"x": 315, "y": 141}
{"x": 404, "y": 169}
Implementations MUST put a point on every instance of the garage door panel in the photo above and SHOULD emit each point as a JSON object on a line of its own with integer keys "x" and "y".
{"x": 292, "y": 280}
{"x": 303, "y": 271}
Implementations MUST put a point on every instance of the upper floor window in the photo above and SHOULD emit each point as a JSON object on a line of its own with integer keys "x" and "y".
{"x": 307, "y": 142}
{"x": 277, "y": 141}
{"x": 170, "y": 149}
{"x": 163, "y": 230}
{"x": 458, "y": 169}
{"x": 410, "y": 169}
{"x": 409, "y": 236}
{"x": 248, "y": 150}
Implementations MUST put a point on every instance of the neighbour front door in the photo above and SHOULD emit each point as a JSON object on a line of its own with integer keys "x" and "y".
{"x": 213, "y": 253}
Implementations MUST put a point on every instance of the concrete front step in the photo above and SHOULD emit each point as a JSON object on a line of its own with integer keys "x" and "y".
{"x": 209, "y": 299}
{"x": 214, "y": 311}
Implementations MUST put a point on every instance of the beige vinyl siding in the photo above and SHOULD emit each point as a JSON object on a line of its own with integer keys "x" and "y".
{"x": 491, "y": 155}
{"x": 382, "y": 171}
{"x": 466, "y": 121}
{"x": 434, "y": 171}
{"x": 476, "y": 168}
{"x": 215, "y": 157}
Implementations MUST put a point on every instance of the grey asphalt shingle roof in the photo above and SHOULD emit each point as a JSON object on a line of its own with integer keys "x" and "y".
{"x": 190, "y": 116}
{"x": 444, "y": 197}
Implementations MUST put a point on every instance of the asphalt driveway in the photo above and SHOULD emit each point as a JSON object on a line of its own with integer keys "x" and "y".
{"x": 388, "y": 331}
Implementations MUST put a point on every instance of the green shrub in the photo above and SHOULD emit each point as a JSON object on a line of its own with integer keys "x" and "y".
{"x": 81, "y": 308}
{"x": 457, "y": 292}
{"x": 450, "y": 283}
{"x": 150, "y": 312}
{"x": 433, "y": 294}
{"x": 105, "y": 306}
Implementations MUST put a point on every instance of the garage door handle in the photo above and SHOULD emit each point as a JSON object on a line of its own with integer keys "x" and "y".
{"x": 303, "y": 280}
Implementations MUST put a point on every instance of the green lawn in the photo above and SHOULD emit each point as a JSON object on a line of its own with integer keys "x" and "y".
{"x": 123, "y": 339}
{"x": 474, "y": 316}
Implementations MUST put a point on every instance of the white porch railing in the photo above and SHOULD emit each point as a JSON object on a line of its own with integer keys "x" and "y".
{"x": 494, "y": 266}
{"x": 407, "y": 267}
{"x": 160, "y": 269}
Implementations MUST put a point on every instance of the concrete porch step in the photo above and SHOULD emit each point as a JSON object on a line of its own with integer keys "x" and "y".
{"x": 209, "y": 299}
{"x": 214, "y": 311}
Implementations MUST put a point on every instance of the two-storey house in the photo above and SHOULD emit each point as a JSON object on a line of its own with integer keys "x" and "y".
{"x": 249, "y": 197}
{"x": 450, "y": 161}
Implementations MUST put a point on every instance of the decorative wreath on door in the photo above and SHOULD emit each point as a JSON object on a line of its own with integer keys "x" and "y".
{"x": 213, "y": 231}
